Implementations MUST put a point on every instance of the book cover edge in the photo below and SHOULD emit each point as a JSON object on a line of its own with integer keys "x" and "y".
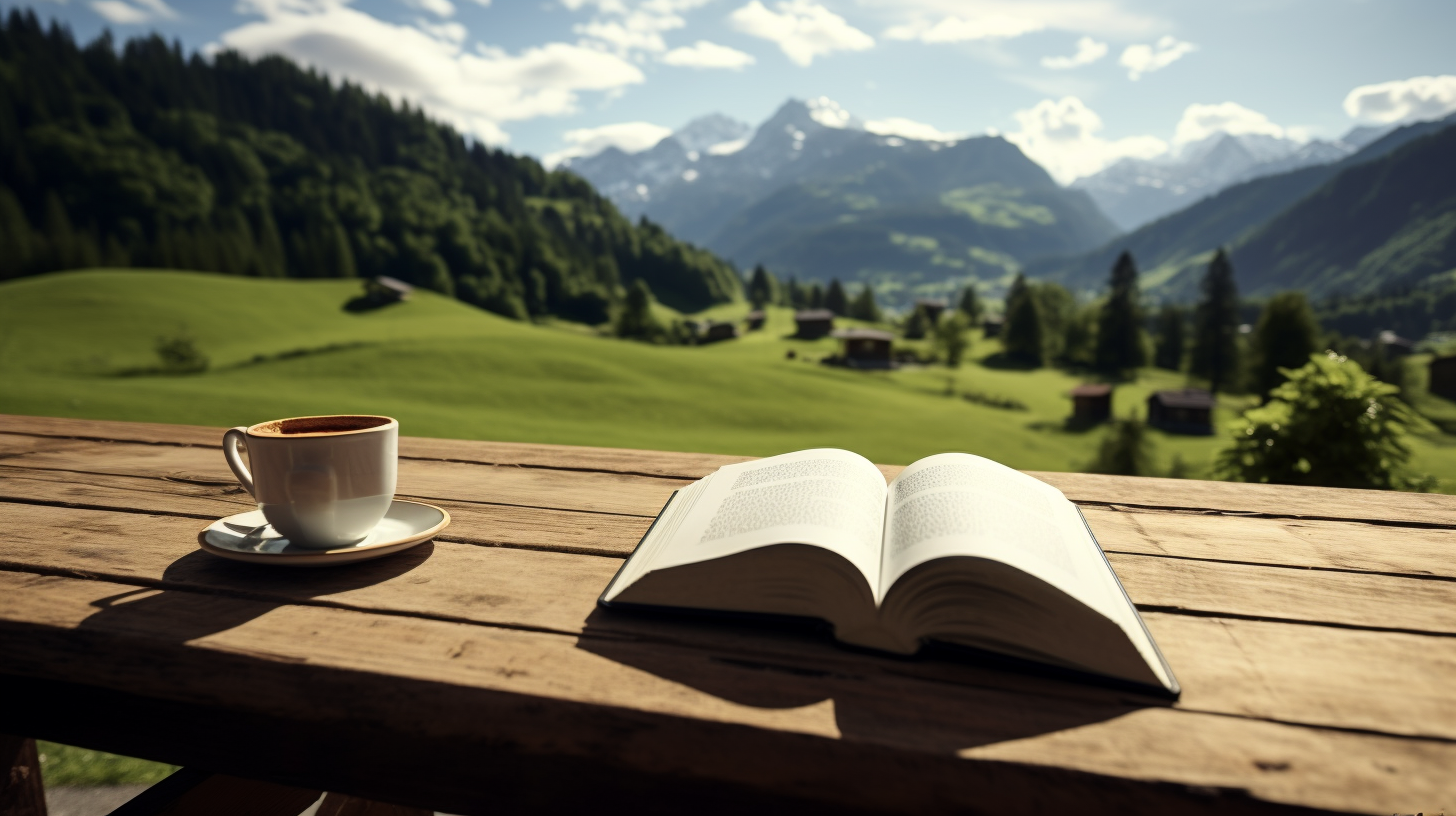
{"x": 602, "y": 598}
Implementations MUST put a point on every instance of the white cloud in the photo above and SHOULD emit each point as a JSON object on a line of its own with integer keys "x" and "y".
{"x": 966, "y": 20}
{"x": 1202, "y": 121}
{"x": 910, "y": 129}
{"x": 1144, "y": 59}
{"x": 118, "y": 12}
{"x": 960, "y": 29}
{"x": 703, "y": 54}
{"x": 1088, "y": 52}
{"x": 439, "y": 8}
{"x": 631, "y": 137}
{"x": 802, "y": 29}
{"x": 1404, "y": 100}
{"x": 1061, "y": 136}
{"x": 475, "y": 92}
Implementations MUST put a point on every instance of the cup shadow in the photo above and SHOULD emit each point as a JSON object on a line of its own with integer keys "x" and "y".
{"x": 202, "y": 594}
{"x": 938, "y": 702}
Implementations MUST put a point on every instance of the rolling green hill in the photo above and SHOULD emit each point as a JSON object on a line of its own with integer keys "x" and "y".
{"x": 286, "y": 348}
{"x": 141, "y": 156}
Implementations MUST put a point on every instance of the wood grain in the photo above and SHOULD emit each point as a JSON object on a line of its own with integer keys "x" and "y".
{"x": 22, "y": 792}
{"x": 189, "y": 792}
{"x": 556, "y": 593}
{"x": 696, "y": 713}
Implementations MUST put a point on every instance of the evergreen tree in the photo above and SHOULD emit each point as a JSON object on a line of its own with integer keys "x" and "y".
{"x": 951, "y": 338}
{"x": 1169, "y": 353}
{"x": 762, "y": 288}
{"x": 1286, "y": 335}
{"x": 917, "y": 324}
{"x": 864, "y": 307}
{"x": 16, "y": 237}
{"x": 636, "y": 320}
{"x": 970, "y": 305}
{"x": 816, "y": 296}
{"x": 1215, "y": 355}
{"x": 1125, "y": 450}
{"x": 1119, "y": 327}
{"x": 835, "y": 300}
{"x": 798, "y": 295}
{"x": 1022, "y": 335}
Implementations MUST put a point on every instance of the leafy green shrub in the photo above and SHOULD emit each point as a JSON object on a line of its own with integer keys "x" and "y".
{"x": 1329, "y": 424}
{"x": 1125, "y": 450}
{"x": 180, "y": 355}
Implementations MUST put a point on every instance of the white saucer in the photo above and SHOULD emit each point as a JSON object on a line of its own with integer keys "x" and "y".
{"x": 248, "y": 537}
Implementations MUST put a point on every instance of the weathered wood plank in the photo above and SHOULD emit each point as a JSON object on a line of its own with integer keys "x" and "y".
{"x": 525, "y": 487}
{"x": 690, "y": 712}
{"x": 1331, "y": 545}
{"x": 568, "y": 457}
{"x": 190, "y": 792}
{"x": 485, "y": 524}
{"x": 554, "y": 592}
{"x": 337, "y": 804}
{"x": 1350, "y": 546}
{"x": 1274, "y": 500}
{"x": 22, "y": 792}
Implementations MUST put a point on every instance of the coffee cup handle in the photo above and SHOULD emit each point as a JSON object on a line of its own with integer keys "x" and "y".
{"x": 230, "y": 442}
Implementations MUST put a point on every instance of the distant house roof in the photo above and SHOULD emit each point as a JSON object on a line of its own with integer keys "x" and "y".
{"x": 395, "y": 284}
{"x": 862, "y": 334}
{"x": 1390, "y": 338}
{"x": 1092, "y": 390}
{"x": 1185, "y": 398}
{"x": 814, "y": 314}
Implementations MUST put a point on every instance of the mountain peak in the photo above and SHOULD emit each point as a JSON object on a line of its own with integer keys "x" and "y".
{"x": 708, "y": 131}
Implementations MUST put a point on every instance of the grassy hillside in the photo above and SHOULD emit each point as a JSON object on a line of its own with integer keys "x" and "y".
{"x": 286, "y": 348}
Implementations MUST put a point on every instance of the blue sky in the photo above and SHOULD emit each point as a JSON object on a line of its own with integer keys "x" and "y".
{"x": 1077, "y": 83}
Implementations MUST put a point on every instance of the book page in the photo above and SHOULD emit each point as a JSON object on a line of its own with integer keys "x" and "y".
{"x": 960, "y": 504}
{"x": 824, "y": 497}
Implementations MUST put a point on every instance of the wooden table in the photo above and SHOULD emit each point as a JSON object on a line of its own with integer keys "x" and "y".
{"x": 1313, "y": 630}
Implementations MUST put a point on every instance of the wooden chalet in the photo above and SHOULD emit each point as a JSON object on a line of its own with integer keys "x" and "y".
{"x": 812, "y": 324}
{"x": 755, "y": 319}
{"x": 865, "y": 348}
{"x": 1443, "y": 377}
{"x": 393, "y": 287}
{"x": 1092, "y": 402}
{"x": 992, "y": 326}
{"x": 933, "y": 308}
{"x": 1184, "y": 411}
{"x": 714, "y": 331}
{"x": 1395, "y": 345}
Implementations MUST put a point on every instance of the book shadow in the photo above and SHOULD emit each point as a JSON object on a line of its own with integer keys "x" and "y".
{"x": 940, "y": 701}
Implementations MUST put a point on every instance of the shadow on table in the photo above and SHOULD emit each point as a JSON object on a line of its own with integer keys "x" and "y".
{"x": 939, "y": 701}
{"x": 202, "y": 594}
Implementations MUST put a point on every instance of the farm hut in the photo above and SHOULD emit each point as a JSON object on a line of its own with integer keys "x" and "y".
{"x": 813, "y": 324}
{"x": 714, "y": 331}
{"x": 1443, "y": 377}
{"x": 1185, "y": 411}
{"x": 1396, "y": 345}
{"x": 932, "y": 308}
{"x": 992, "y": 326}
{"x": 865, "y": 348}
{"x": 391, "y": 287}
{"x": 1092, "y": 402}
{"x": 754, "y": 320}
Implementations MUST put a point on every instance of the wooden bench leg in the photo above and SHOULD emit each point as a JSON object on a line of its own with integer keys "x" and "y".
{"x": 190, "y": 792}
{"x": 337, "y": 804}
{"x": 21, "y": 791}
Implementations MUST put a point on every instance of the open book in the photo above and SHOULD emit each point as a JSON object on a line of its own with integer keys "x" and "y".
{"x": 957, "y": 549}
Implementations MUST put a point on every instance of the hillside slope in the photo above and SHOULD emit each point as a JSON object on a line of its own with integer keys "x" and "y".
{"x": 146, "y": 157}
{"x": 1172, "y": 251}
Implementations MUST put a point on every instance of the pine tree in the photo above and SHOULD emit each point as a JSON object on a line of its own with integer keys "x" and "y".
{"x": 864, "y": 307}
{"x": 1215, "y": 355}
{"x": 1286, "y": 335}
{"x": 970, "y": 305}
{"x": 816, "y": 296}
{"x": 1171, "y": 340}
{"x": 798, "y": 296}
{"x": 1022, "y": 336}
{"x": 15, "y": 235}
{"x": 636, "y": 320}
{"x": 835, "y": 300}
{"x": 762, "y": 288}
{"x": 1119, "y": 327}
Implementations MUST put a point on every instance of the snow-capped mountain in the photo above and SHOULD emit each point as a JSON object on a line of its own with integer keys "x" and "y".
{"x": 1134, "y": 192}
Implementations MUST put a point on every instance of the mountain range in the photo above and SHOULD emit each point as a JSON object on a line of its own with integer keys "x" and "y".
{"x": 1382, "y": 217}
{"x": 1134, "y": 192}
{"x": 812, "y": 194}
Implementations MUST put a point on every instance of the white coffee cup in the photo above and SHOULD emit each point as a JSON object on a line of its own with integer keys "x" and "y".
{"x": 321, "y": 481}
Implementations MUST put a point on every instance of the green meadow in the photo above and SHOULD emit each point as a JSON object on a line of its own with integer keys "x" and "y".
{"x": 78, "y": 344}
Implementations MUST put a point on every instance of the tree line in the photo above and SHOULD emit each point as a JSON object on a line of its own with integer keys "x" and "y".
{"x": 143, "y": 156}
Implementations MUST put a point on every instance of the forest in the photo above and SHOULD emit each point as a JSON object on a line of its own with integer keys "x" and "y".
{"x": 142, "y": 156}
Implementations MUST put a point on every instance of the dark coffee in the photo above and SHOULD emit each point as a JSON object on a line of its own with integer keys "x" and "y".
{"x": 325, "y": 424}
